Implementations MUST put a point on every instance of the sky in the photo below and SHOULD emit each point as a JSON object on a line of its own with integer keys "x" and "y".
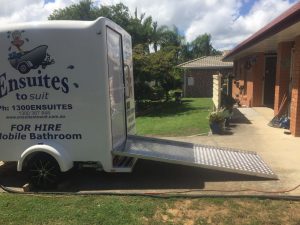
{"x": 228, "y": 21}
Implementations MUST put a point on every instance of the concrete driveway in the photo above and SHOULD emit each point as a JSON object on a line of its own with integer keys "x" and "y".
{"x": 249, "y": 131}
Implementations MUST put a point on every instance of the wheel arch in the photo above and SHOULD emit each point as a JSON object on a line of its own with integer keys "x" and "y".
{"x": 62, "y": 158}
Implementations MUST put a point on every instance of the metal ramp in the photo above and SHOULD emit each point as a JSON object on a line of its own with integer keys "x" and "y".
{"x": 209, "y": 157}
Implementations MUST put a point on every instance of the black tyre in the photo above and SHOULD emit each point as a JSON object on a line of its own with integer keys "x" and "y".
{"x": 43, "y": 171}
{"x": 23, "y": 68}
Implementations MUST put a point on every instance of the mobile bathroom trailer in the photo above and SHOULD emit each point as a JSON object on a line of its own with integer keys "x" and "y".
{"x": 67, "y": 97}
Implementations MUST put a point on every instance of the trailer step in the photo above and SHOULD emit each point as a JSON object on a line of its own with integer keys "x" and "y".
{"x": 209, "y": 157}
{"x": 123, "y": 161}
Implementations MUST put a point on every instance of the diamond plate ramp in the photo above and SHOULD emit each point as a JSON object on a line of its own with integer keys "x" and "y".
{"x": 209, "y": 157}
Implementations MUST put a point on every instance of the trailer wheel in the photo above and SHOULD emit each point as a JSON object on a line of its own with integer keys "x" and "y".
{"x": 43, "y": 171}
{"x": 23, "y": 68}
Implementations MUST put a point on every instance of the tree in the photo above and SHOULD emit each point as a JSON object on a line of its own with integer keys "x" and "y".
{"x": 142, "y": 75}
{"x": 84, "y": 10}
{"x": 141, "y": 29}
{"x": 161, "y": 68}
{"x": 170, "y": 37}
{"x": 185, "y": 52}
{"x": 118, "y": 13}
{"x": 155, "y": 36}
{"x": 157, "y": 67}
{"x": 199, "y": 47}
{"x": 155, "y": 72}
{"x": 202, "y": 45}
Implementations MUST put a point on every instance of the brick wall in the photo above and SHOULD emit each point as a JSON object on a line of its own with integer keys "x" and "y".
{"x": 237, "y": 82}
{"x": 251, "y": 79}
{"x": 202, "y": 86}
{"x": 282, "y": 73}
{"x": 248, "y": 81}
{"x": 295, "y": 98}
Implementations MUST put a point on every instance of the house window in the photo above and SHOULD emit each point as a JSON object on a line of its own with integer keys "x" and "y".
{"x": 190, "y": 81}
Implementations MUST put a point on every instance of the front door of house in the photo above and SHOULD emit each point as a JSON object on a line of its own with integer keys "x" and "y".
{"x": 269, "y": 81}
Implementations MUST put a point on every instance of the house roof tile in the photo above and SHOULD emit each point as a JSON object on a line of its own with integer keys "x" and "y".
{"x": 206, "y": 62}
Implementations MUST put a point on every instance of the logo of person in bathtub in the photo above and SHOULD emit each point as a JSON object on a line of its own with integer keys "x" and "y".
{"x": 22, "y": 60}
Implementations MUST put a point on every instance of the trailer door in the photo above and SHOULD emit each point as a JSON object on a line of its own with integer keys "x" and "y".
{"x": 116, "y": 88}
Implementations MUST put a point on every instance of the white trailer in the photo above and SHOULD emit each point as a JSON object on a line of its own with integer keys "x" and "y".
{"x": 66, "y": 97}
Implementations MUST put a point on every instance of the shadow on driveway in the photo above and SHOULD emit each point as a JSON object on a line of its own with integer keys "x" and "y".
{"x": 147, "y": 175}
{"x": 239, "y": 118}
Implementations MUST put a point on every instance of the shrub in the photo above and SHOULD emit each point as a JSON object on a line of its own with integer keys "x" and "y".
{"x": 227, "y": 102}
{"x": 216, "y": 117}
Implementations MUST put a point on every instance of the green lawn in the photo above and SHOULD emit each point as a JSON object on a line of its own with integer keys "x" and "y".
{"x": 174, "y": 119}
{"x": 20, "y": 209}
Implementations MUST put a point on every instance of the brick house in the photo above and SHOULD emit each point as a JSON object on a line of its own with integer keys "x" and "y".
{"x": 197, "y": 78}
{"x": 267, "y": 67}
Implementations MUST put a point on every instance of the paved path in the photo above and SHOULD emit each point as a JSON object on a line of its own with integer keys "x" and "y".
{"x": 250, "y": 132}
